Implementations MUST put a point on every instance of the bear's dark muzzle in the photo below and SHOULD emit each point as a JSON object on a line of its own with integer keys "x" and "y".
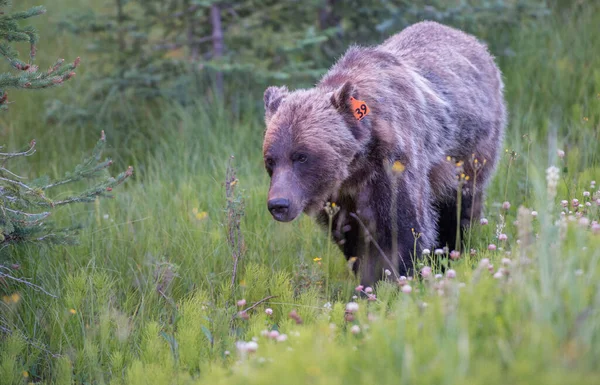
{"x": 279, "y": 208}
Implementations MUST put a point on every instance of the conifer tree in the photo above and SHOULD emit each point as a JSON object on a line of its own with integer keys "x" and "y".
{"x": 26, "y": 205}
{"x": 28, "y": 75}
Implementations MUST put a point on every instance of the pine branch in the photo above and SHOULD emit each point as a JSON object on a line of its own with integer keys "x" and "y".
{"x": 29, "y": 76}
{"x": 27, "y": 283}
{"x": 24, "y": 207}
{"x": 88, "y": 168}
{"x": 99, "y": 190}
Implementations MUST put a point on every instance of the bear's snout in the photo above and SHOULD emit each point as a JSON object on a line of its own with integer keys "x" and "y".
{"x": 279, "y": 208}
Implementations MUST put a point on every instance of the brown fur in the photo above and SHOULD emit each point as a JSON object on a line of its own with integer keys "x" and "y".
{"x": 434, "y": 92}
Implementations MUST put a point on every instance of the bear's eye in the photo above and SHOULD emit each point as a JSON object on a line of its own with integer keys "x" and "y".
{"x": 270, "y": 162}
{"x": 301, "y": 158}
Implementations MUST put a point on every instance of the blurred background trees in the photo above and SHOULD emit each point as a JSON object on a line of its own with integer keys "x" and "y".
{"x": 180, "y": 50}
{"x": 25, "y": 205}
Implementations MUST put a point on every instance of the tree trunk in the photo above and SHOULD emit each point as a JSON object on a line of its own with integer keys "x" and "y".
{"x": 218, "y": 46}
{"x": 193, "y": 45}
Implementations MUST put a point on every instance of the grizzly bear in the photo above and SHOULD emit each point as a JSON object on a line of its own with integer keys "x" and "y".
{"x": 389, "y": 136}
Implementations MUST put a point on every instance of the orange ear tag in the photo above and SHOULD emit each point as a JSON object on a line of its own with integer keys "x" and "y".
{"x": 359, "y": 108}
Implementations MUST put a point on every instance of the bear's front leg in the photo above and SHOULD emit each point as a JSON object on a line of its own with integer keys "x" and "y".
{"x": 346, "y": 232}
{"x": 397, "y": 217}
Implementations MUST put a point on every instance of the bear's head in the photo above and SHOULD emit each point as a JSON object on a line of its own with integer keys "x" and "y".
{"x": 311, "y": 139}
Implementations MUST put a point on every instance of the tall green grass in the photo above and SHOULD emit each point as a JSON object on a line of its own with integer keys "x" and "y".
{"x": 145, "y": 296}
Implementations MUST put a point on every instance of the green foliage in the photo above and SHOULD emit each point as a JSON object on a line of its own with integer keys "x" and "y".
{"x": 29, "y": 77}
{"x": 171, "y": 50}
{"x": 114, "y": 323}
{"x": 21, "y": 215}
{"x": 25, "y": 207}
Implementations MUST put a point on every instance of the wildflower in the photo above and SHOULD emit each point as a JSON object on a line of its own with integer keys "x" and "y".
{"x": 598, "y": 202}
{"x": 506, "y": 205}
{"x": 586, "y": 194}
{"x": 593, "y": 184}
{"x": 251, "y": 346}
{"x": 359, "y": 288}
{"x": 483, "y": 221}
{"x": 317, "y": 259}
{"x": 506, "y": 261}
{"x": 564, "y": 203}
{"x": 269, "y": 311}
{"x": 584, "y": 222}
{"x": 426, "y": 252}
{"x": 355, "y": 329}
{"x": 331, "y": 208}
{"x": 498, "y": 274}
{"x": 552, "y": 177}
{"x": 241, "y": 346}
{"x": 575, "y": 203}
{"x": 105, "y": 216}
{"x": 264, "y": 333}
{"x": 368, "y": 289}
{"x": 491, "y": 247}
{"x": 243, "y": 315}
{"x": 387, "y": 272}
{"x": 406, "y": 289}
{"x": 273, "y": 334}
{"x": 73, "y": 311}
{"x": 402, "y": 280}
{"x": 485, "y": 262}
{"x": 438, "y": 276}
{"x": 560, "y": 153}
{"x": 227, "y": 352}
{"x": 438, "y": 252}
{"x": 351, "y": 307}
{"x": 295, "y": 316}
{"x": 473, "y": 252}
{"x": 371, "y": 297}
{"x": 455, "y": 254}
{"x": 13, "y": 298}
{"x": 241, "y": 302}
{"x": 282, "y": 338}
{"x": 502, "y": 237}
{"x": 588, "y": 204}
{"x": 398, "y": 167}
{"x": 445, "y": 249}
{"x": 426, "y": 272}
{"x": 451, "y": 273}
{"x": 327, "y": 305}
{"x": 534, "y": 214}
{"x": 596, "y": 228}
{"x": 354, "y": 297}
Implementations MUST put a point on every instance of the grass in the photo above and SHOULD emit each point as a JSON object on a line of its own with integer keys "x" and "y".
{"x": 145, "y": 296}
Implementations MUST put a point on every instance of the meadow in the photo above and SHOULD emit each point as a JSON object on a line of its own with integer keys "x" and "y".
{"x": 148, "y": 295}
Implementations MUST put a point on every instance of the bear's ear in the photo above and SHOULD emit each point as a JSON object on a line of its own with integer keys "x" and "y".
{"x": 273, "y": 97}
{"x": 341, "y": 97}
